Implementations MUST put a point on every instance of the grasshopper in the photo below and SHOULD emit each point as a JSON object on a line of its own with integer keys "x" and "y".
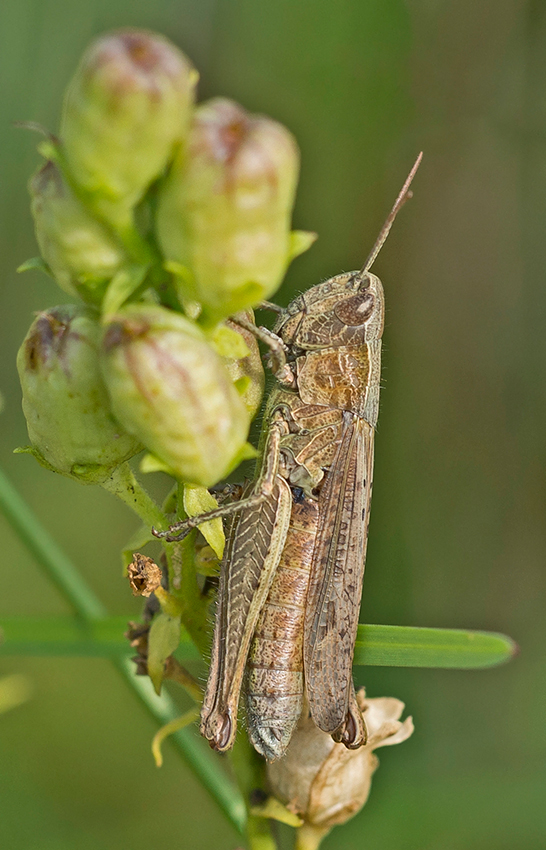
{"x": 291, "y": 576}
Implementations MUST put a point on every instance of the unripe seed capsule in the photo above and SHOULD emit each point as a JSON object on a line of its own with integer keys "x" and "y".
{"x": 65, "y": 402}
{"x": 80, "y": 252}
{"x": 170, "y": 389}
{"x": 225, "y": 207}
{"x": 125, "y": 111}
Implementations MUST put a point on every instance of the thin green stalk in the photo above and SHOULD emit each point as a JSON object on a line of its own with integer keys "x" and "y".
{"x": 195, "y": 752}
{"x": 184, "y": 588}
{"x": 249, "y": 770}
{"x": 58, "y": 568}
{"x": 74, "y": 589}
{"x": 183, "y": 583}
{"x": 309, "y": 837}
{"x": 123, "y": 484}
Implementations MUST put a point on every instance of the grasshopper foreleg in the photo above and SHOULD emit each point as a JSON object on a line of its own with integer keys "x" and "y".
{"x": 277, "y": 348}
{"x": 263, "y": 489}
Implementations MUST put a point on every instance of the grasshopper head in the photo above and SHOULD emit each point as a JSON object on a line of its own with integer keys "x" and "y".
{"x": 346, "y": 310}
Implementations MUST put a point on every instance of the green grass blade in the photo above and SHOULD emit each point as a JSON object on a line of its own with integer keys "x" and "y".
{"x": 405, "y": 646}
{"x": 59, "y": 569}
{"x": 396, "y": 646}
{"x": 85, "y": 630}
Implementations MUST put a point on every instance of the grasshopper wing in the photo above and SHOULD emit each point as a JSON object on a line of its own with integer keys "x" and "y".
{"x": 335, "y": 588}
{"x": 255, "y": 541}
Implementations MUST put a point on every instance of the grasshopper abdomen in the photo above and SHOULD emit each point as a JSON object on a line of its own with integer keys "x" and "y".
{"x": 274, "y": 678}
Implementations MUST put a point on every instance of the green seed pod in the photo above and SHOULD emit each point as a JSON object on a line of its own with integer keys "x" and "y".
{"x": 65, "y": 402}
{"x": 223, "y": 218}
{"x": 80, "y": 252}
{"x": 170, "y": 388}
{"x": 125, "y": 111}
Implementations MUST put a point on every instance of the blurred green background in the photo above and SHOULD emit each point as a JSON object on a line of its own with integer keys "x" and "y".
{"x": 458, "y": 531}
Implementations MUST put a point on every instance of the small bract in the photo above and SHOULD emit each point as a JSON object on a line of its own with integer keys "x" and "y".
{"x": 248, "y": 371}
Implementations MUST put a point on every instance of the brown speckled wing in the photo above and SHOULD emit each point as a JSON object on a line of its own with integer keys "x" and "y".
{"x": 335, "y": 587}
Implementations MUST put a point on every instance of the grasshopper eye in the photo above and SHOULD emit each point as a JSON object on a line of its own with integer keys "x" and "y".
{"x": 356, "y": 310}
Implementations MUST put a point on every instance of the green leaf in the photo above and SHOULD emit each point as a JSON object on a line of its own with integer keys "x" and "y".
{"x": 36, "y": 454}
{"x": 67, "y": 636}
{"x": 206, "y": 561}
{"x": 151, "y": 463}
{"x": 396, "y": 646}
{"x": 163, "y": 640}
{"x": 404, "y": 646}
{"x": 121, "y": 287}
{"x": 242, "y": 384}
{"x": 246, "y": 452}
{"x": 34, "y": 263}
{"x": 136, "y": 542}
{"x": 198, "y": 500}
{"x": 227, "y": 342}
{"x": 300, "y": 241}
{"x": 179, "y": 270}
{"x": 49, "y": 148}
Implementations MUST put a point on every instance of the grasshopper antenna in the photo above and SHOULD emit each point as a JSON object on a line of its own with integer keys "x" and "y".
{"x": 404, "y": 196}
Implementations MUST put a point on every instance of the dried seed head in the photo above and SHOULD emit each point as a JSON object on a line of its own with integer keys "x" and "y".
{"x": 80, "y": 252}
{"x": 144, "y": 575}
{"x": 170, "y": 388}
{"x": 69, "y": 420}
{"x": 324, "y": 782}
{"x": 126, "y": 110}
{"x": 137, "y": 634}
{"x": 224, "y": 210}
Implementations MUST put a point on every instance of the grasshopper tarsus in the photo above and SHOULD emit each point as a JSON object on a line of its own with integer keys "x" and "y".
{"x": 277, "y": 349}
{"x": 353, "y": 733}
{"x": 222, "y": 738}
{"x": 169, "y": 536}
{"x": 269, "y": 305}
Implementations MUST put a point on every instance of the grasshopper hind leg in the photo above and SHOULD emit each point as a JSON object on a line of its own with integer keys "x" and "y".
{"x": 218, "y": 728}
{"x": 352, "y": 732}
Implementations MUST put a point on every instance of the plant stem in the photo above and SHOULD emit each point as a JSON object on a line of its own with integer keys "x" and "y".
{"x": 183, "y": 586}
{"x": 58, "y": 568}
{"x": 309, "y": 837}
{"x": 183, "y": 583}
{"x": 195, "y": 752}
{"x": 249, "y": 770}
{"x": 123, "y": 484}
{"x": 89, "y": 608}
